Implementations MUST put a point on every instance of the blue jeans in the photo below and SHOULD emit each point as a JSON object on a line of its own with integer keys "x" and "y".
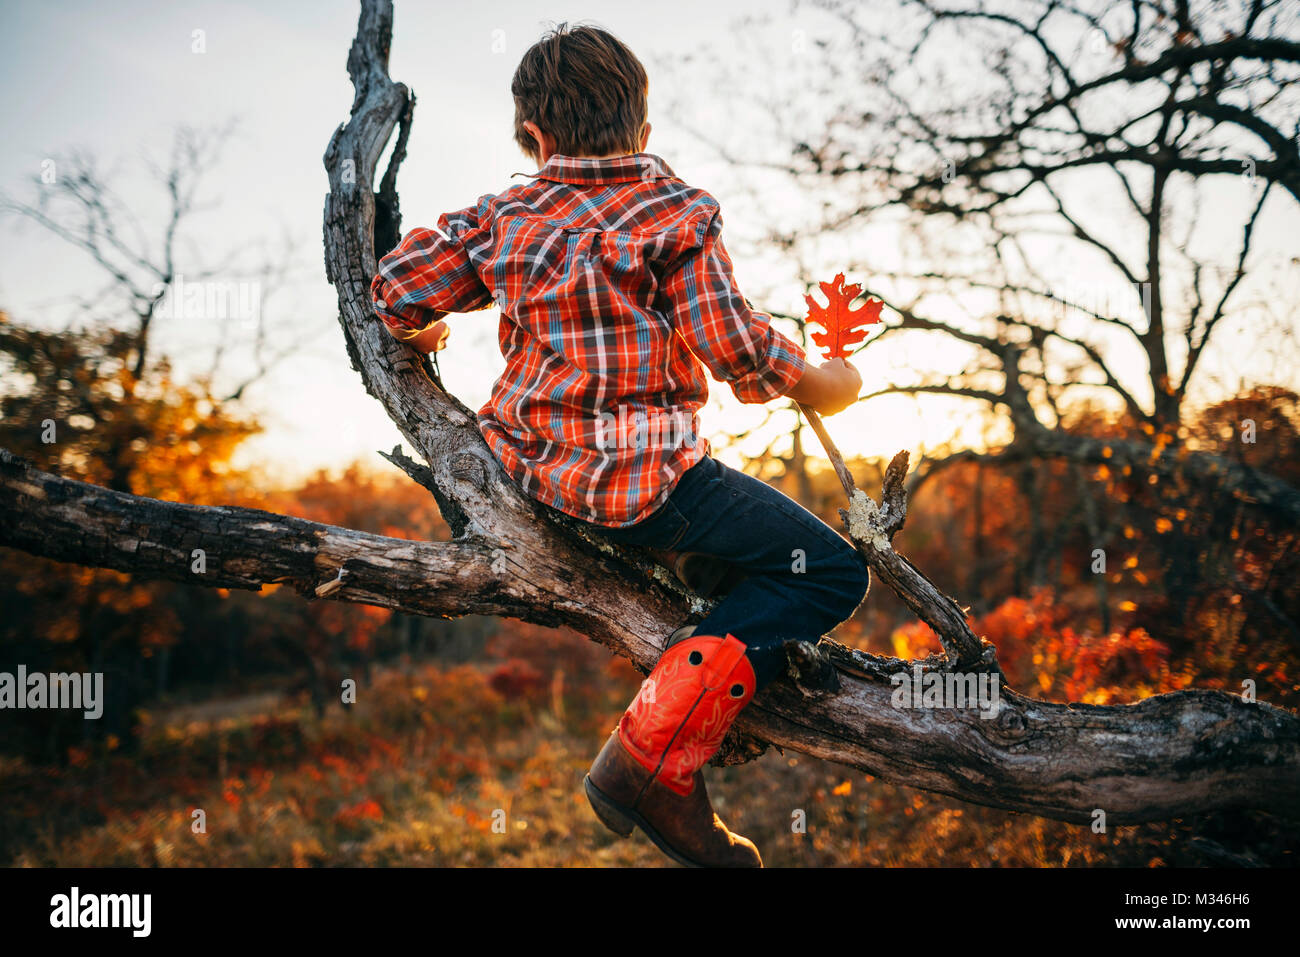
{"x": 802, "y": 580}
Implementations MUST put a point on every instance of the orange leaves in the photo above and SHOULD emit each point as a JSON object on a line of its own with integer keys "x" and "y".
{"x": 1041, "y": 651}
{"x": 844, "y": 326}
{"x": 354, "y": 815}
{"x": 515, "y": 678}
{"x": 913, "y": 640}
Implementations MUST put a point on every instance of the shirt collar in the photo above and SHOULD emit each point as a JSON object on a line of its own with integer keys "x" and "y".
{"x": 584, "y": 170}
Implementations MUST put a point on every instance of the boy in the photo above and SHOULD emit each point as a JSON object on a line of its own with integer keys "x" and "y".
{"x": 615, "y": 293}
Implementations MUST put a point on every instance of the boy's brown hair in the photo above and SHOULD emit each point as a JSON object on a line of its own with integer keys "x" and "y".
{"x": 585, "y": 88}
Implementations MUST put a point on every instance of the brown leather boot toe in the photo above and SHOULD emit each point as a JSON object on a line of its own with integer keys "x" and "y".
{"x": 624, "y": 795}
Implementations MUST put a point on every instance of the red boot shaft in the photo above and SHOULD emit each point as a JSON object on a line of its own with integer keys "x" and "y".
{"x": 682, "y": 712}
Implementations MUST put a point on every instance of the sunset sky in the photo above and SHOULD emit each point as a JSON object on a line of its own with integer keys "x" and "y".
{"x": 115, "y": 79}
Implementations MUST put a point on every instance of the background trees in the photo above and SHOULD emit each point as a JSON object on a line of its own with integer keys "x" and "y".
{"x": 1058, "y": 478}
{"x": 98, "y": 397}
{"x": 1063, "y": 204}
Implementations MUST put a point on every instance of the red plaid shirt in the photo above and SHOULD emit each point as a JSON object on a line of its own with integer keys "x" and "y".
{"x": 615, "y": 293}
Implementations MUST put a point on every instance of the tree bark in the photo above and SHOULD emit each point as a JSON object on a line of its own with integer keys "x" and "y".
{"x": 1168, "y": 756}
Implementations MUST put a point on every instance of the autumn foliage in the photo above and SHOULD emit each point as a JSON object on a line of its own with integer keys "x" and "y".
{"x": 230, "y": 699}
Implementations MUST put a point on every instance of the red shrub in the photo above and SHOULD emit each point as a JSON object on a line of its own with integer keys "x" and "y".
{"x": 516, "y": 678}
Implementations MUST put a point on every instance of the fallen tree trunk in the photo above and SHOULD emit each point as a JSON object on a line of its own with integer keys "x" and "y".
{"x": 1168, "y": 756}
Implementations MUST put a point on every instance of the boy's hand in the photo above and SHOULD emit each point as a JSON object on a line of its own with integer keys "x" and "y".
{"x": 429, "y": 340}
{"x": 843, "y": 383}
{"x": 432, "y": 339}
{"x": 828, "y": 388}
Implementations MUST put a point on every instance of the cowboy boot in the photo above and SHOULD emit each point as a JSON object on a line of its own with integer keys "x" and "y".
{"x": 648, "y": 773}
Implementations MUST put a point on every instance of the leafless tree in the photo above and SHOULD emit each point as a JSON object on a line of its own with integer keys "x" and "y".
{"x": 1038, "y": 141}
{"x": 78, "y": 202}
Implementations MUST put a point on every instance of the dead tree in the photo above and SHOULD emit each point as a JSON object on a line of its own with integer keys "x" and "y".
{"x": 1074, "y": 108}
{"x": 1167, "y": 756}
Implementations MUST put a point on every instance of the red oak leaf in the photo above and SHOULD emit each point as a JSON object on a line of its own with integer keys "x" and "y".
{"x": 843, "y": 325}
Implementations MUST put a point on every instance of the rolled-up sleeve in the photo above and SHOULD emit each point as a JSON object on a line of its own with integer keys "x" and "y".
{"x": 738, "y": 344}
{"x": 428, "y": 275}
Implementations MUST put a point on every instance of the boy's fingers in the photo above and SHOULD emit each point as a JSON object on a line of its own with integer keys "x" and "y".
{"x": 434, "y": 338}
